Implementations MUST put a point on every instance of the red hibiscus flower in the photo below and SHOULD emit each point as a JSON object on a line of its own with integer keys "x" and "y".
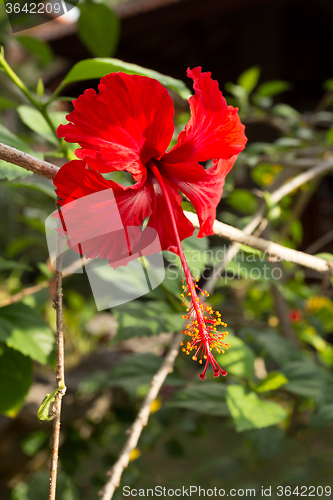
{"x": 128, "y": 126}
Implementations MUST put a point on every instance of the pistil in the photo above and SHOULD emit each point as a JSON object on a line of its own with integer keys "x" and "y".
{"x": 201, "y": 320}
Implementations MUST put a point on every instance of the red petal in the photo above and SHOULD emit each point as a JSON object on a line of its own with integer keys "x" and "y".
{"x": 129, "y": 122}
{"x": 160, "y": 219}
{"x": 214, "y": 130}
{"x": 100, "y": 223}
{"x": 202, "y": 187}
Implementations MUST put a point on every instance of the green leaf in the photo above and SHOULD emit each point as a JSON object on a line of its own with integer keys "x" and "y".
{"x": 141, "y": 318}
{"x": 16, "y": 378}
{"x": 45, "y": 410}
{"x": 197, "y": 256}
{"x": 33, "y": 119}
{"x": 254, "y": 269}
{"x": 33, "y": 442}
{"x": 250, "y": 412}
{"x": 8, "y": 265}
{"x": 38, "y": 185}
{"x": 279, "y": 349}
{"x": 98, "y": 28}
{"x": 40, "y": 49}
{"x": 306, "y": 378}
{"x": 238, "y": 92}
{"x": 325, "y": 256}
{"x": 273, "y": 87}
{"x": 208, "y": 398}
{"x": 267, "y": 442}
{"x": 286, "y": 111}
{"x": 8, "y": 170}
{"x": 25, "y": 330}
{"x": 325, "y": 413}
{"x": 328, "y": 84}
{"x": 296, "y": 231}
{"x": 238, "y": 359}
{"x": 249, "y": 79}
{"x": 90, "y": 69}
{"x": 273, "y": 381}
{"x": 132, "y": 372}
{"x": 7, "y": 137}
{"x": 329, "y": 135}
{"x": 37, "y": 486}
{"x": 243, "y": 201}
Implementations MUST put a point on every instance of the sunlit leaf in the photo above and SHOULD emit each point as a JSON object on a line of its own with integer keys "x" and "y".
{"x": 45, "y": 410}
{"x": 25, "y": 330}
{"x": 249, "y": 79}
{"x": 89, "y": 69}
{"x": 33, "y": 119}
{"x": 273, "y": 381}
{"x": 250, "y": 412}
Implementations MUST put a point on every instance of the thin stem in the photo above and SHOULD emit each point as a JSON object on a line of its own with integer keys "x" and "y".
{"x": 60, "y": 374}
{"x": 42, "y": 108}
{"x": 15, "y": 79}
{"x": 141, "y": 420}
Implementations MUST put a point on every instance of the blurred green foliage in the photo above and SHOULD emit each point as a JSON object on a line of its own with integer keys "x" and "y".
{"x": 269, "y": 421}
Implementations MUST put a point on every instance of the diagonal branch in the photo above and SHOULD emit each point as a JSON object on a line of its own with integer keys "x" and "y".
{"x": 24, "y": 160}
{"x": 266, "y": 246}
{"x": 277, "y": 195}
{"x": 141, "y": 420}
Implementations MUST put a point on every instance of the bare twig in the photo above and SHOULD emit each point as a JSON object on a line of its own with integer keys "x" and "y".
{"x": 24, "y": 160}
{"x": 24, "y": 293}
{"x": 60, "y": 376}
{"x": 68, "y": 271}
{"x": 266, "y": 246}
{"x": 141, "y": 420}
{"x": 6, "y": 153}
{"x": 276, "y": 196}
